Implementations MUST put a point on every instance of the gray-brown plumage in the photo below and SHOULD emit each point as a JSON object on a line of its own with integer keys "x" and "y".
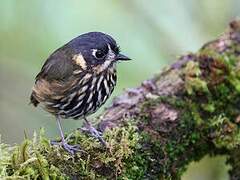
{"x": 78, "y": 78}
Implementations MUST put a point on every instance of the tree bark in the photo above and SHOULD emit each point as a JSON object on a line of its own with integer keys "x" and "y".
{"x": 189, "y": 110}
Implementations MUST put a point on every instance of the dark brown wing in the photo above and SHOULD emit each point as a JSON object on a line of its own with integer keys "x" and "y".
{"x": 58, "y": 68}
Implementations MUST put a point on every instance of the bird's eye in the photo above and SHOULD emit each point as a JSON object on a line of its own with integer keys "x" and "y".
{"x": 116, "y": 49}
{"x": 98, "y": 54}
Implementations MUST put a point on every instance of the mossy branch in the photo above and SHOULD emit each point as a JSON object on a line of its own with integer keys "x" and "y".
{"x": 153, "y": 131}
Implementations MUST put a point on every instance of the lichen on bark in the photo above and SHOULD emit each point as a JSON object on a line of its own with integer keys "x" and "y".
{"x": 154, "y": 131}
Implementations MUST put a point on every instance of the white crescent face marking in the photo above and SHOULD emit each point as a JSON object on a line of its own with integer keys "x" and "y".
{"x": 106, "y": 64}
{"x": 111, "y": 55}
{"x": 109, "y": 59}
{"x": 94, "y": 52}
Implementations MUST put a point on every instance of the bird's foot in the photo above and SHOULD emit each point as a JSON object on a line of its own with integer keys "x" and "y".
{"x": 94, "y": 133}
{"x": 72, "y": 149}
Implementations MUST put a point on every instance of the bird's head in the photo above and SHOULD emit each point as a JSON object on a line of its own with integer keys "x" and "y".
{"x": 97, "y": 51}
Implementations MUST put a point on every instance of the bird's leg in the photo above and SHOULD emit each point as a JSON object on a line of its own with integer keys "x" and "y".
{"x": 93, "y": 132}
{"x": 71, "y": 149}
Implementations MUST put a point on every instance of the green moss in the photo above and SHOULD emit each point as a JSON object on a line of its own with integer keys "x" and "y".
{"x": 36, "y": 158}
{"x": 193, "y": 81}
{"x": 211, "y": 88}
{"x": 165, "y": 155}
{"x": 225, "y": 133}
{"x": 4, "y": 158}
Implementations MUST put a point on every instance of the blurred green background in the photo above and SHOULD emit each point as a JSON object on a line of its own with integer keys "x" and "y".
{"x": 151, "y": 32}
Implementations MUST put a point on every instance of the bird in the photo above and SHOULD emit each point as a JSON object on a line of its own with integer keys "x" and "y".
{"x": 77, "y": 79}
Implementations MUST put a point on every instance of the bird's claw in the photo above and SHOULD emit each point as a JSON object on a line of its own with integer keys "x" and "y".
{"x": 94, "y": 133}
{"x": 72, "y": 149}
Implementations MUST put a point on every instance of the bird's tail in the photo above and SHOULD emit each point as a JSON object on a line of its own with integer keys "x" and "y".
{"x": 33, "y": 100}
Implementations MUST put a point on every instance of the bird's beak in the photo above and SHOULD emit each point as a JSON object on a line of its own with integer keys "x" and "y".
{"x": 121, "y": 57}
